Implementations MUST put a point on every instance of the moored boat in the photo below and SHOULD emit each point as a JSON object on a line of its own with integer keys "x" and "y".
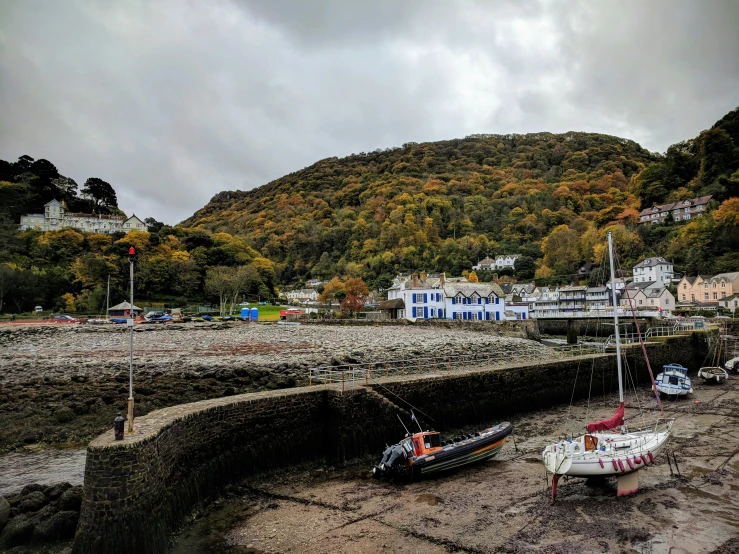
{"x": 609, "y": 448}
{"x": 424, "y": 453}
{"x": 673, "y": 381}
{"x": 713, "y": 374}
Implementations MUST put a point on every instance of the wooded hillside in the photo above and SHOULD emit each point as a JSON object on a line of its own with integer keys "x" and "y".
{"x": 441, "y": 206}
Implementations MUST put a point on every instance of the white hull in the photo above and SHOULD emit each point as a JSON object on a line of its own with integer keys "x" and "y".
{"x": 716, "y": 374}
{"x": 623, "y": 454}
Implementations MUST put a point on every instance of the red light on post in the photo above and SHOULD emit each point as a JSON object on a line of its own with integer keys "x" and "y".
{"x": 132, "y": 251}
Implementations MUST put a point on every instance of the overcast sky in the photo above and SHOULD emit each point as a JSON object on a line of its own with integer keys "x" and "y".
{"x": 174, "y": 101}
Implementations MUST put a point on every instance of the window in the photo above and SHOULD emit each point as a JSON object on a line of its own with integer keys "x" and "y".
{"x": 723, "y": 294}
{"x": 692, "y": 297}
{"x": 641, "y": 301}
{"x": 667, "y": 301}
{"x": 683, "y": 298}
{"x": 705, "y": 285}
{"x": 418, "y": 298}
{"x": 687, "y": 216}
{"x": 433, "y": 312}
{"x": 677, "y": 218}
{"x": 714, "y": 285}
{"x": 715, "y": 296}
{"x": 723, "y": 285}
{"x": 706, "y": 296}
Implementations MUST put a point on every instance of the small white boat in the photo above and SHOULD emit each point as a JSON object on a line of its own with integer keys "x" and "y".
{"x": 733, "y": 364}
{"x": 673, "y": 381}
{"x": 713, "y": 374}
{"x": 283, "y": 322}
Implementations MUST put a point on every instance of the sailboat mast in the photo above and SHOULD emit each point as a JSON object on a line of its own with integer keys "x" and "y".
{"x": 615, "y": 320}
{"x": 107, "y": 299}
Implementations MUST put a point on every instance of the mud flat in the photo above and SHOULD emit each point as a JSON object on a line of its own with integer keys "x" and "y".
{"x": 503, "y": 505}
{"x": 66, "y": 383}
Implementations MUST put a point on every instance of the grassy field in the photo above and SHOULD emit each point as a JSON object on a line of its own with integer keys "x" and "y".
{"x": 266, "y": 313}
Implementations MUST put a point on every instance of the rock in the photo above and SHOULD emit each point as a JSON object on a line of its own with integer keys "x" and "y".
{"x": 61, "y": 525}
{"x": 55, "y": 491}
{"x": 19, "y": 530}
{"x": 71, "y": 499}
{"x": 64, "y": 414}
{"x": 32, "y": 502}
{"x": 33, "y": 487}
{"x": 4, "y": 512}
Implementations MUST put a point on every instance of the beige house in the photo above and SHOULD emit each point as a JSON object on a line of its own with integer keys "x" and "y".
{"x": 708, "y": 288}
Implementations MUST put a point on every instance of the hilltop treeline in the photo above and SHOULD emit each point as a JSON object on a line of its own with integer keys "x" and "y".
{"x": 443, "y": 205}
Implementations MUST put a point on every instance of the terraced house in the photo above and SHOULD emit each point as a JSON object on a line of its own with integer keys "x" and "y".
{"x": 435, "y": 297}
{"x": 683, "y": 210}
{"x": 707, "y": 288}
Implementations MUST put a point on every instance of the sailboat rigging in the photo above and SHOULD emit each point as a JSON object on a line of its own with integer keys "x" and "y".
{"x": 609, "y": 449}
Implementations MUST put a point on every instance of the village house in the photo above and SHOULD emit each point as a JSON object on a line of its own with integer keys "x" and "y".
{"x": 707, "y": 288}
{"x": 313, "y": 283}
{"x": 302, "y": 295}
{"x": 55, "y": 218}
{"x": 730, "y": 303}
{"x": 124, "y": 309}
{"x": 572, "y": 298}
{"x": 648, "y": 296}
{"x": 651, "y": 270}
{"x": 438, "y": 298}
{"x": 681, "y": 211}
{"x": 501, "y": 262}
{"x": 547, "y": 303}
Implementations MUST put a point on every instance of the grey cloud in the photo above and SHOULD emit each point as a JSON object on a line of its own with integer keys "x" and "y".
{"x": 175, "y": 101}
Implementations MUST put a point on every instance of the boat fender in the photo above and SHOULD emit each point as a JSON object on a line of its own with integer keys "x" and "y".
{"x": 615, "y": 465}
{"x": 631, "y": 464}
{"x": 644, "y": 459}
{"x": 601, "y": 463}
{"x": 621, "y": 464}
{"x": 651, "y": 456}
{"x": 637, "y": 460}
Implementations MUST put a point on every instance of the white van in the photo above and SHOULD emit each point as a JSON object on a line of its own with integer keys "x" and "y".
{"x": 38, "y": 309}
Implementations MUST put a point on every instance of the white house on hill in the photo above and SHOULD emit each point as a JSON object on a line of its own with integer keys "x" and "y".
{"x": 55, "y": 218}
{"x": 651, "y": 270}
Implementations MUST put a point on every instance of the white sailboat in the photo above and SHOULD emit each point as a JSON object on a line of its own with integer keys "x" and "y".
{"x": 609, "y": 449}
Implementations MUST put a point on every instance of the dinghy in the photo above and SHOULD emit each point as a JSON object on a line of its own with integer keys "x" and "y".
{"x": 673, "y": 381}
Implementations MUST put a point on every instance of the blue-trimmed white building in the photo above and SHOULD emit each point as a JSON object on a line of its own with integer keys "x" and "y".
{"x": 438, "y": 298}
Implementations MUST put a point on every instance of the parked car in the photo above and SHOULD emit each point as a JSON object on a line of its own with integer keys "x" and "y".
{"x": 61, "y": 318}
{"x": 38, "y": 309}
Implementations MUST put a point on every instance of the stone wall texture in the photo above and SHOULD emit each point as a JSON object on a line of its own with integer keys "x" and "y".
{"x": 139, "y": 491}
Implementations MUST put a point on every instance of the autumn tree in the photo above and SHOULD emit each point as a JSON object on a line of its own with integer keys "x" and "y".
{"x": 356, "y": 292}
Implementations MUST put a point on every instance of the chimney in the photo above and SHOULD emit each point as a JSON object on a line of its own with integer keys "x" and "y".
{"x": 442, "y": 280}
{"x": 414, "y": 281}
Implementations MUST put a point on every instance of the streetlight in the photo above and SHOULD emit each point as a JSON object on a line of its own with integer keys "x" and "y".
{"x": 131, "y": 255}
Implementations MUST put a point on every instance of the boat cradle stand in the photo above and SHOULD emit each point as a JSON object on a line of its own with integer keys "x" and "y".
{"x": 625, "y": 484}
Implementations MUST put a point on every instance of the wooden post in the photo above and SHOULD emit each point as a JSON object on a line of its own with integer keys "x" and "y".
{"x": 387, "y": 369}
{"x": 403, "y": 367}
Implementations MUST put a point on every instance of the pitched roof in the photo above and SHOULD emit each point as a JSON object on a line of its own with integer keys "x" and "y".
{"x": 728, "y": 276}
{"x": 651, "y": 262}
{"x": 394, "y": 304}
{"x": 700, "y": 200}
{"x": 486, "y": 261}
{"x": 645, "y": 285}
{"x": 123, "y": 306}
{"x": 468, "y": 289}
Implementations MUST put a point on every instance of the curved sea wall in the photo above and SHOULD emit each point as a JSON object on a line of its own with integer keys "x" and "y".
{"x": 140, "y": 490}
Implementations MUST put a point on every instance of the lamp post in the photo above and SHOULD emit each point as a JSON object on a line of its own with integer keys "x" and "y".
{"x": 131, "y": 255}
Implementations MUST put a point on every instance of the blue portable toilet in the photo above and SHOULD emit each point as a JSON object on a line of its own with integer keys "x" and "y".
{"x": 254, "y": 314}
{"x": 245, "y": 313}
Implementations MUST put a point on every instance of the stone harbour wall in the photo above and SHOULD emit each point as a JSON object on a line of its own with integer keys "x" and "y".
{"x": 139, "y": 491}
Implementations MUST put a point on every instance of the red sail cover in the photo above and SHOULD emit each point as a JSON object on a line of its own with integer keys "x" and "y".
{"x": 606, "y": 424}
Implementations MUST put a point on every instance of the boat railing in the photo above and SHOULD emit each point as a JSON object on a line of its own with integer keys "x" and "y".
{"x": 663, "y": 331}
{"x": 363, "y": 373}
